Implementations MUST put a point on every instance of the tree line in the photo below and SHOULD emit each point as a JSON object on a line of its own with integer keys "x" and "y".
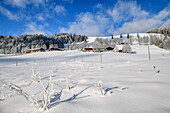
{"x": 20, "y": 44}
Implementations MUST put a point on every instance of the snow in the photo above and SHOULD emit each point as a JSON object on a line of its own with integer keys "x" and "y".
{"x": 92, "y": 39}
{"x": 135, "y": 35}
{"x": 129, "y": 81}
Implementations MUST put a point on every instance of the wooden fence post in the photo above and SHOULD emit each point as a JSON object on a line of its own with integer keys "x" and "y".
{"x": 100, "y": 57}
{"x": 149, "y": 53}
{"x": 81, "y": 58}
{"x": 16, "y": 63}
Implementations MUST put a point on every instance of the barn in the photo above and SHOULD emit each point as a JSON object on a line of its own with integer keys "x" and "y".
{"x": 35, "y": 50}
{"x": 88, "y": 49}
{"x": 55, "y": 49}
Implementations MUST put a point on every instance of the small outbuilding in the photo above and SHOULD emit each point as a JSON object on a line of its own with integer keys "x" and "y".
{"x": 88, "y": 49}
{"x": 55, "y": 49}
{"x": 109, "y": 48}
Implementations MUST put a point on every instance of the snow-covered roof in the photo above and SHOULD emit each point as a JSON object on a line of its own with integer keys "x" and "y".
{"x": 34, "y": 49}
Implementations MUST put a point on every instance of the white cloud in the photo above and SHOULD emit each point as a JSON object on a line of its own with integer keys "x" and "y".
{"x": 144, "y": 24}
{"x": 88, "y": 24}
{"x": 166, "y": 24}
{"x": 103, "y": 21}
{"x": 59, "y": 9}
{"x": 39, "y": 17}
{"x": 69, "y": 1}
{"x": 98, "y": 6}
{"x": 163, "y": 14}
{"x": 33, "y": 28}
{"x": 123, "y": 17}
{"x": 18, "y": 3}
{"x": 17, "y": 9}
{"x": 139, "y": 26}
{"x": 23, "y": 3}
{"x": 9, "y": 14}
{"x": 125, "y": 11}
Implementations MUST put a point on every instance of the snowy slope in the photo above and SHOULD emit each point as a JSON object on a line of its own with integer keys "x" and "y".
{"x": 92, "y": 39}
{"x": 140, "y": 34}
{"x": 130, "y": 83}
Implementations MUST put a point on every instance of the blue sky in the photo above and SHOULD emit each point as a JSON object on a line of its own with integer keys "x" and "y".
{"x": 86, "y": 17}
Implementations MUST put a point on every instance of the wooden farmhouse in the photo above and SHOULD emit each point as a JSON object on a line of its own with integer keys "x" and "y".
{"x": 35, "y": 50}
{"x": 55, "y": 49}
{"x": 88, "y": 49}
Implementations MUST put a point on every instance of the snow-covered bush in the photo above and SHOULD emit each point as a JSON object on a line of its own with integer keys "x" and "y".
{"x": 100, "y": 87}
{"x": 51, "y": 46}
{"x": 116, "y": 49}
{"x": 112, "y": 43}
{"x": 55, "y": 46}
{"x": 44, "y": 47}
{"x": 167, "y": 44}
{"x": 36, "y": 77}
{"x": 67, "y": 85}
{"x": 48, "y": 92}
{"x": 105, "y": 43}
{"x": 144, "y": 40}
{"x": 97, "y": 44}
{"x": 118, "y": 41}
{"x": 126, "y": 48}
{"x": 2, "y": 51}
{"x": 69, "y": 45}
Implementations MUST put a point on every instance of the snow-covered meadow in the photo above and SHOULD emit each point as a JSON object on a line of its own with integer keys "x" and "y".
{"x": 130, "y": 83}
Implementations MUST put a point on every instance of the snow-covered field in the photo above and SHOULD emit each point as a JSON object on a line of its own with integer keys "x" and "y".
{"x": 130, "y": 82}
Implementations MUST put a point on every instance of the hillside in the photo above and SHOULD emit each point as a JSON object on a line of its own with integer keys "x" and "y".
{"x": 160, "y": 40}
{"x": 160, "y": 31}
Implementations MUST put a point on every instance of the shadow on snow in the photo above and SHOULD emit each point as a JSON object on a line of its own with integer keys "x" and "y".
{"x": 75, "y": 96}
